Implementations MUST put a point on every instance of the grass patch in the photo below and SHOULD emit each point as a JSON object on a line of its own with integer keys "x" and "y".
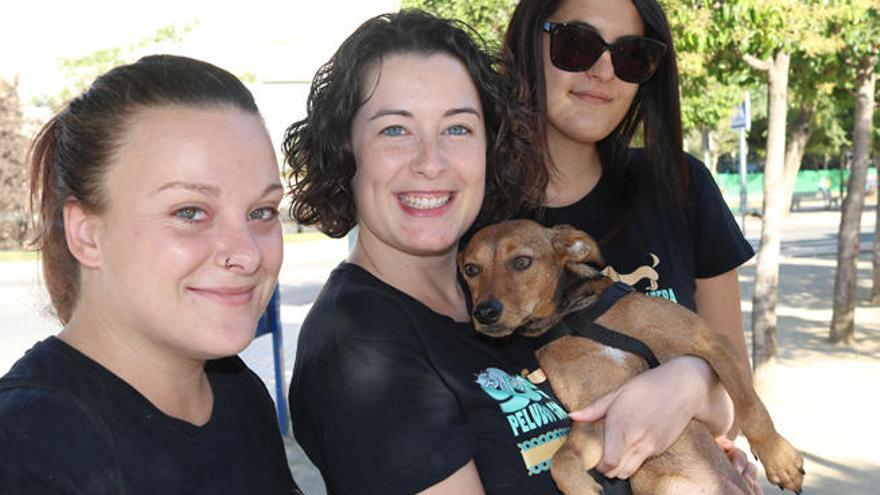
{"x": 14, "y": 255}
{"x": 18, "y": 255}
{"x": 305, "y": 236}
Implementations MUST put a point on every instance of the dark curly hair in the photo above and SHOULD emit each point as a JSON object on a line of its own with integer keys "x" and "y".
{"x": 71, "y": 155}
{"x": 318, "y": 148}
{"x": 656, "y": 107}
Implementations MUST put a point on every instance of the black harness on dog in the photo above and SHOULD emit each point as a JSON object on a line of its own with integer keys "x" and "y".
{"x": 583, "y": 324}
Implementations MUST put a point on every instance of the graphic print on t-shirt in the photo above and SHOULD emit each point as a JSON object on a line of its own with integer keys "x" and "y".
{"x": 644, "y": 272}
{"x": 528, "y": 410}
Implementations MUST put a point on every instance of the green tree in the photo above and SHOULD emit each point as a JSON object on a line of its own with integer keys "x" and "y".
{"x": 487, "y": 17}
{"x": 859, "y": 28}
{"x": 706, "y": 100}
{"x": 766, "y": 37}
{"x": 79, "y": 72}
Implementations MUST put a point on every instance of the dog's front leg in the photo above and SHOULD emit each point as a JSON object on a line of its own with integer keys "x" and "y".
{"x": 580, "y": 453}
{"x": 580, "y": 371}
{"x": 783, "y": 464}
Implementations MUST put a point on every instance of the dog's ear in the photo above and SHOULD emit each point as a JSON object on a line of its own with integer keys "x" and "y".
{"x": 459, "y": 259}
{"x": 574, "y": 246}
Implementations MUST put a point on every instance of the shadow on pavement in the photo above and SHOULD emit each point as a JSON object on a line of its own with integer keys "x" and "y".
{"x": 835, "y": 478}
{"x": 806, "y": 288}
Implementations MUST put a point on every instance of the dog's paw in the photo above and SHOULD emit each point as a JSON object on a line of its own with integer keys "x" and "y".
{"x": 783, "y": 464}
{"x": 570, "y": 474}
{"x": 587, "y": 487}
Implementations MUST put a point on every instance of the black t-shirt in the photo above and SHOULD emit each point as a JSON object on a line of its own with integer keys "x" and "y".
{"x": 70, "y": 426}
{"x": 663, "y": 247}
{"x": 389, "y": 397}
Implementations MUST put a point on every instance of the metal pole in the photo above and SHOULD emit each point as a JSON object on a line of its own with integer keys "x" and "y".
{"x": 743, "y": 183}
{"x": 352, "y": 238}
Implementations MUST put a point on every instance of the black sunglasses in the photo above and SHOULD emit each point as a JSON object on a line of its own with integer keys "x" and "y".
{"x": 576, "y": 47}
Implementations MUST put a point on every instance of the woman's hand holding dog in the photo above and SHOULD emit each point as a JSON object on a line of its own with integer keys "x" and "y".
{"x": 645, "y": 416}
{"x": 748, "y": 470}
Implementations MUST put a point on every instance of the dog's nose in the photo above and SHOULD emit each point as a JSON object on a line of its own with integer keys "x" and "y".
{"x": 488, "y": 312}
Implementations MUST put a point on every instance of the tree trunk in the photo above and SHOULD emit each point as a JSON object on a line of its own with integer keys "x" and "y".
{"x": 795, "y": 145}
{"x": 13, "y": 168}
{"x": 766, "y": 292}
{"x": 875, "y": 288}
{"x": 843, "y": 316}
{"x": 710, "y": 150}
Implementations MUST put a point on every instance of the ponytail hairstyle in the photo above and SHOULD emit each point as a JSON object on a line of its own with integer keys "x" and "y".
{"x": 71, "y": 155}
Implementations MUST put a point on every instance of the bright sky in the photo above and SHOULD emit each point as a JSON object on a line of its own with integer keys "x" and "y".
{"x": 273, "y": 39}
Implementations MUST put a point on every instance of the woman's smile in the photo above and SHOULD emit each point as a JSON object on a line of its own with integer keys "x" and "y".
{"x": 420, "y": 203}
{"x": 229, "y": 296}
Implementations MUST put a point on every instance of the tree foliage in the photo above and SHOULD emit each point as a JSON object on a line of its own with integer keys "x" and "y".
{"x": 79, "y": 72}
{"x": 707, "y": 99}
{"x": 788, "y": 47}
{"x": 487, "y": 17}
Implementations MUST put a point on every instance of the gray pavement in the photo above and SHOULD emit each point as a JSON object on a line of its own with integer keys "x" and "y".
{"x": 822, "y": 397}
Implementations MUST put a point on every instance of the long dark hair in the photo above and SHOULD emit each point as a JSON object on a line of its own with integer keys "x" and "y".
{"x": 71, "y": 154}
{"x": 656, "y": 106}
{"x": 318, "y": 148}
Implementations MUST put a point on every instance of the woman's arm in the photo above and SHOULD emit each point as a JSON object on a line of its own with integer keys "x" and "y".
{"x": 718, "y": 303}
{"x": 638, "y": 420}
{"x": 465, "y": 481}
{"x": 648, "y": 413}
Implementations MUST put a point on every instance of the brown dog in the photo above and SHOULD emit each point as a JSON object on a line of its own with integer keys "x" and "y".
{"x": 527, "y": 278}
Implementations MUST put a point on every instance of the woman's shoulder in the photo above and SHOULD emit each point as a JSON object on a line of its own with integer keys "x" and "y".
{"x": 36, "y": 405}
{"x": 699, "y": 175}
{"x": 36, "y": 416}
{"x": 697, "y": 171}
{"x": 359, "y": 321}
{"x": 353, "y": 298}
{"x": 25, "y": 401}
{"x": 50, "y": 384}
{"x": 45, "y": 363}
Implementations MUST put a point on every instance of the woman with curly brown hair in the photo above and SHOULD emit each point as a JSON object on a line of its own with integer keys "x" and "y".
{"x": 393, "y": 391}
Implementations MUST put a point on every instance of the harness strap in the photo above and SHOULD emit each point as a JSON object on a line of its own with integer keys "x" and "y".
{"x": 583, "y": 323}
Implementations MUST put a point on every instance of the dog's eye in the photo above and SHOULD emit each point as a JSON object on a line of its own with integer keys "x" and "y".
{"x": 520, "y": 263}
{"x": 472, "y": 270}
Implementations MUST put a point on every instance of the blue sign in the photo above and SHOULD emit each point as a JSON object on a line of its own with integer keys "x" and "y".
{"x": 742, "y": 117}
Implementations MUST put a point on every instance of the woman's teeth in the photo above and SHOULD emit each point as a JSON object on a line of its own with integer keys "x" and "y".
{"x": 424, "y": 203}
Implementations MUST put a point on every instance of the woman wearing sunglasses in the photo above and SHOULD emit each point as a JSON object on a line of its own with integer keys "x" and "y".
{"x": 594, "y": 72}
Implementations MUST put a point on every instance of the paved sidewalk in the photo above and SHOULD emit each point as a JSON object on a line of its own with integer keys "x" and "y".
{"x": 823, "y": 397}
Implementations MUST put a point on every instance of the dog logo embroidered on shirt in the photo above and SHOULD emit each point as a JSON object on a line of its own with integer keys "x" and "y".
{"x": 644, "y": 272}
